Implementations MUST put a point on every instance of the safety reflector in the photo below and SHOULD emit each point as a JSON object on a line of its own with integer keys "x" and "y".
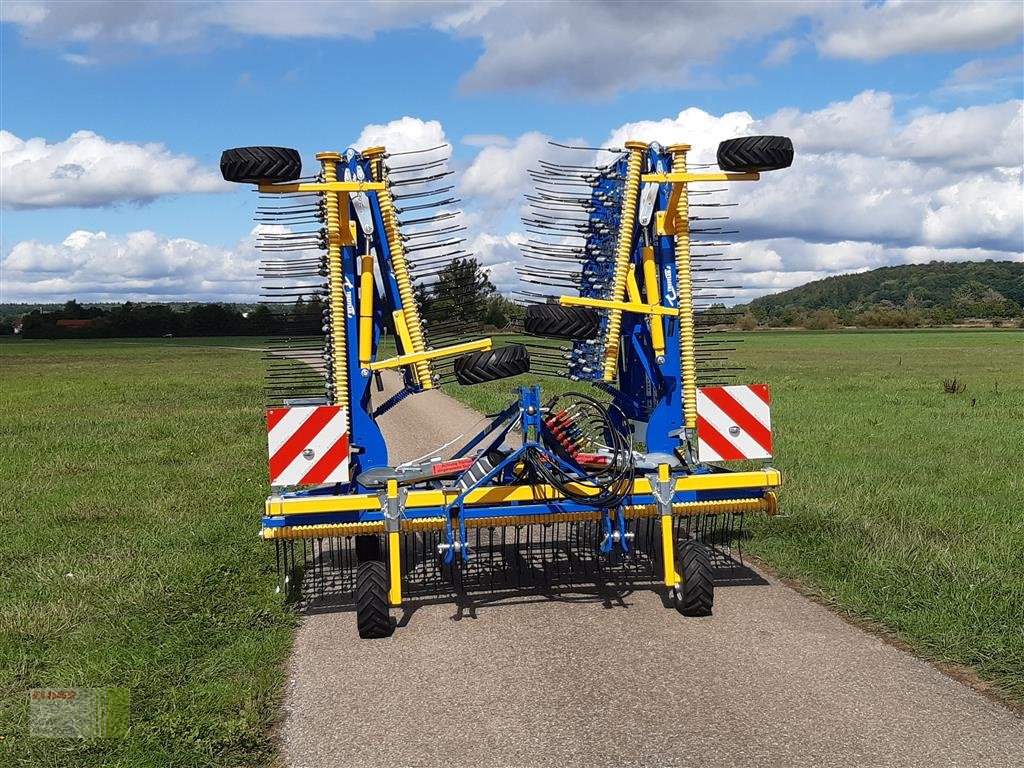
{"x": 308, "y": 445}
{"x": 734, "y": 423}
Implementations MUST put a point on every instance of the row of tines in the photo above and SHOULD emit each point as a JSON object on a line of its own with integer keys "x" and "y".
{"x": 573, "y": 223}
{"x": 448, "y": 284}
{"x": 291, "y": 233}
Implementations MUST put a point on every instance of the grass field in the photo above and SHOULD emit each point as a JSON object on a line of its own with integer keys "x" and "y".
{"x": 130, "y": 482}
{"x": 131, "y": 476}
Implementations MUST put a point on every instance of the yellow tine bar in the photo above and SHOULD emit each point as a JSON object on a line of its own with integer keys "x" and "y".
{"x": 333, "y": 203}
{"x": 684, "y": 288}
{"x": 653, "y": 297}
{"x": 668, "y": 552}
{"x": 365, "y": 311}
{"x": 458, "y": 349}
{"x": 632, "y": 289}
{"x": 623, "y": 251}
{"x": 403, "y": 336}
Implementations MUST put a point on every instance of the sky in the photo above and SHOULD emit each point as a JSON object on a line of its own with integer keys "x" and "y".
{"x": 906, "y": 118}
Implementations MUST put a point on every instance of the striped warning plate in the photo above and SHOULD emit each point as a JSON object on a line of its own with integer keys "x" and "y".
{"x": 734, "y": 423}
{"x": 308, "y": 445}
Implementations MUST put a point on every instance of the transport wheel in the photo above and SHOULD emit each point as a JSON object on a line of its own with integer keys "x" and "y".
{"x": 755, "y": 153}
{"x": 250, "y": 165}
{"x": 561, "y": 322}
{"x": 697, "y": 594}
{"x": 491, "y": 365}
{"x": 368, "y": 548}
{"x": 372, "y": 615}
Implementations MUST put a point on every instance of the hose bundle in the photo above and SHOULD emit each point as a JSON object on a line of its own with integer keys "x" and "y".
{"x": 576, "y": 423}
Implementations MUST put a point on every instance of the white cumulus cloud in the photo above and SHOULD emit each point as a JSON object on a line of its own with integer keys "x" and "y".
{"x": 97, "y": 266}
{"x": 86, "y": 170}
{"x": 589, "y": 49}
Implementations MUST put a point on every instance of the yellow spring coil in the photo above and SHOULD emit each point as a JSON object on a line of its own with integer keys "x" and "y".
{"x": 684, "y": 287}
{"x": 765, "y": 504}
{"x": 336, "y": 281}
{"x": 623, "y": 251}
{"x": 401, "y": 269}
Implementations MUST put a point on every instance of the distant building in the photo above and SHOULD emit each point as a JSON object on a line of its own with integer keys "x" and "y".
{"x": 74, "y": 324}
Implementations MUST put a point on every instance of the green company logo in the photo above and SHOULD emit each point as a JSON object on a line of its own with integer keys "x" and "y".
{"x": 78, "y": 713}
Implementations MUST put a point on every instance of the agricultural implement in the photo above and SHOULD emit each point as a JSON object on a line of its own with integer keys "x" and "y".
{"x": 616, "y": 478}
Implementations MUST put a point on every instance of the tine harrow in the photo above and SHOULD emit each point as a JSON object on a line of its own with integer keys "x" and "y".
{"x": 618, "y": 485}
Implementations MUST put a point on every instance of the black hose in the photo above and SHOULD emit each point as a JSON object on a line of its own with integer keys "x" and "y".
{"x": 604, "y": 487}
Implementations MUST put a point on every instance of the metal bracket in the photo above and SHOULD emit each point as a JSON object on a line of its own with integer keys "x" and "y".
{"x": 393, "y": 508}
{"x": 664, "y": 491}
{"x": 360, "y": 202}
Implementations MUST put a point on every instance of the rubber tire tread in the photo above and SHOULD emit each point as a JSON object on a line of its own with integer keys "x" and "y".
{"x": 561, "y": 322}
{"x": 697, "y": 595}
{"x": 493, "y": 364}
{"x": 373, "y": 618}
{"x": 755, "y": 153}
{"x": 250, "y": 165}
{"x": 368, "y": 547}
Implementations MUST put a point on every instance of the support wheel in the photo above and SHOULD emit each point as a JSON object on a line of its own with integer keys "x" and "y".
{"x": 368, "y": 548}
{"x": 491, "y": 365}
{"x": 561, "y": 322}
{"x": 696, "y": 596}
{"x": 755, "y": 153}
{"x": 372, "y": 615}
{"x": 251, "y": 165}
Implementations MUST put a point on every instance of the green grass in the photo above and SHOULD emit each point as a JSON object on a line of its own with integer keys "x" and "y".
{"x": 131, "y": 478}
{"x": 904, "y": 505}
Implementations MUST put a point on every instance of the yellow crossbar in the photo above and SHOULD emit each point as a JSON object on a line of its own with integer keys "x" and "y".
{"x": 625, "y": 306}
{"x": 325, "y": 186}
{"x": 688, "y": 177}
{"x": 503, "y": 494}
{"x": 431, "y": 354}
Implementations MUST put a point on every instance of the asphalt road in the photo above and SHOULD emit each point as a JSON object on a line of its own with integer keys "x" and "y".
{"x": 772, "y": 679}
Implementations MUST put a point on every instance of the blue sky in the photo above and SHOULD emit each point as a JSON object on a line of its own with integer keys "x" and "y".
{"x": 873, "y": 95}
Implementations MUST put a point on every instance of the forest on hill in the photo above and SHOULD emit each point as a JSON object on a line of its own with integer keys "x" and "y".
{"x": 912, "y": 295}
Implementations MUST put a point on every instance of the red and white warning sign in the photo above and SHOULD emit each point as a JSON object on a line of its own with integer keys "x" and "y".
{"x": 308, "y": 445}
{"x": 734, "y": 423}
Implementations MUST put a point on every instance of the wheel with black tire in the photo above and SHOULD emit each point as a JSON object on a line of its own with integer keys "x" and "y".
{"x": 251, "y": 165}
{"x": 493, "y": 364}
{"x": 696, "y": 595}
{"x": 373, "y": 617}
{"x": 755, "y": 153}
{"x": 561, "y": 322}
{"x": 368, "y": 548}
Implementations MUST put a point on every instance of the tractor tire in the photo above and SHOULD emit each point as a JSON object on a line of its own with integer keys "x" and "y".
{"x": 755, "y": 153}
{"x": 491, "y": 365}
{"x": 696, "y": 595}
{"x": 368, "y": 548}
{"x": 373, "y": 618}
{"x": 561, "y": 322}
{"x": 251, "y": 165}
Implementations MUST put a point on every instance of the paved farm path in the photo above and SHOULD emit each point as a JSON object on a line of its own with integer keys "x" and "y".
{"x": 772, "y": 679}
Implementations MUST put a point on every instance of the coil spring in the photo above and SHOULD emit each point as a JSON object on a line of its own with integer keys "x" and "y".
{"x": 400, "y": 267}
{"x": 684, "y": 287}
{"x": 337, "y": 371}
{"x": 623, "y": 251}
